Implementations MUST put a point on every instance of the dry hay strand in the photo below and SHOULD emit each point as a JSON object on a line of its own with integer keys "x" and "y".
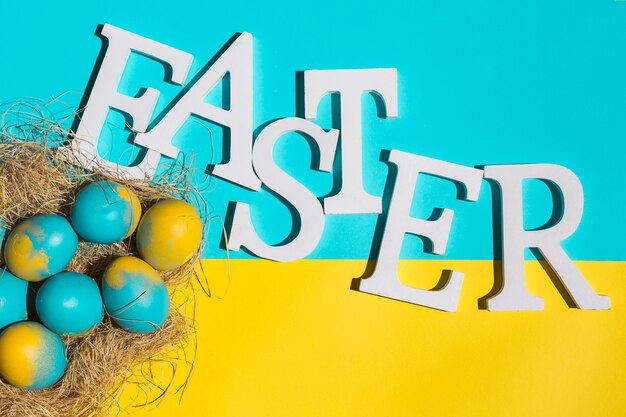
{"x": 107, "y": 360}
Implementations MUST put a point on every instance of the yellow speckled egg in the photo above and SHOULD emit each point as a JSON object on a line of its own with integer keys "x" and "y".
{"x": 169, "y": 234}
{"x": 31, "y": 356}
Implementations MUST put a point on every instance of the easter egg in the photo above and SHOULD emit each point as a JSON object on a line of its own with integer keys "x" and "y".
{"x": 135, "y": 295}
{"x": 169, "y": 234}
{"x": 13, "y": 298}
{"x": 3, "y": 233}
{"x": 31, "y": 356}
{"x": 40, "y": 247}
{"x": 105, "y": 212}
{"x": 69, "y": 303}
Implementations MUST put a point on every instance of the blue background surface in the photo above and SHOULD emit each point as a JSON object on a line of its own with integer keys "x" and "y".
{"x": 481, "y": 82}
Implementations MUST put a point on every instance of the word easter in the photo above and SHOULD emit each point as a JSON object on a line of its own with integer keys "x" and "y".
{"x": 251, "y": 164}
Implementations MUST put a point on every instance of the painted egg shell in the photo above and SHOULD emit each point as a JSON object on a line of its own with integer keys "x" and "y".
{"x": 69, "y": 303}
{"x": 135, "y": 295}
{"x": 169, "y": 234}
{"x": 31, "y": 356}
{"x": 105, "y": 212}
{"x": 3, "y": 233}
{"x": 13, "y": 299}
{"x": 40, "y": 247}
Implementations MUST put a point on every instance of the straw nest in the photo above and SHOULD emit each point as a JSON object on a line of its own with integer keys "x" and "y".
{"x": 106, "y": 362}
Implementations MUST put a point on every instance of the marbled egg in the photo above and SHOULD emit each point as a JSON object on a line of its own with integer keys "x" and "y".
{"x": 13, "y": 299}
{"x": 40, "y": 247}
{"x": 31, "y": 356}
{"x": 105, "y": 212}
{"x": 135, "y": 295}
{"x": 69, "y": 303}
{"x": 169, "y": 234}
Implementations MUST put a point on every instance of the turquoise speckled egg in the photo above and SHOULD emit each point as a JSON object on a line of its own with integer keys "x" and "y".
{"x": 40, "y": 247}
{"x": 13, "y": 299}
{"x": 31, "y": 356}
{"x": 69, "y": 303}
{"x": 105, "y": 212}
{"x": 135, "y": 295}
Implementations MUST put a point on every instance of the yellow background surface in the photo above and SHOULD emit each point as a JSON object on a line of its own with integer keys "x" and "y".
{"x": 292, "y": 339}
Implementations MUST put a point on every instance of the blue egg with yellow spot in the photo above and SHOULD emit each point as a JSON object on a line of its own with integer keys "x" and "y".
{"x": 135, "y": 295}
{"x": 105, "y": 212}
{"x": 13, "y": 299}
{"x": 69, "y": 303}
{"x": 40, "y": 247}
{"x": 31, "y": 356}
